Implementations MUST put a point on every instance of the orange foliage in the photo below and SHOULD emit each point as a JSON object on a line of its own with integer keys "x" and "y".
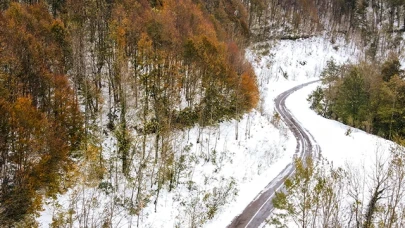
{"x": 249, "y": 90}
{"x": 176, "y": 48}
{"x": 42, "y": 122}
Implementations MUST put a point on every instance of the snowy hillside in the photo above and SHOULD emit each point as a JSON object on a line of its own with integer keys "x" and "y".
{"x": 359, "y": 151}
{"x": 302, "y": 61}
{"x": 232, "y": 162}
{"x": 146, "y": 113}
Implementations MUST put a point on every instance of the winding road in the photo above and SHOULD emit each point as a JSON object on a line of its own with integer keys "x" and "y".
{"x": 261, "y": 207}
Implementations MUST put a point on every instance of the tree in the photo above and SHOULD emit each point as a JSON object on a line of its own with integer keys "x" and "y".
{"x": 389, "y": 121}
{"x": 392, "y": 210}
{"x": 312, "y": 196}
{"x": 331, "y": 73}
{"x": 390, "y": 68}
{"x": 352, "y": 101}
{"x": 42, "y": 125}
{"x": 316, "y": 100}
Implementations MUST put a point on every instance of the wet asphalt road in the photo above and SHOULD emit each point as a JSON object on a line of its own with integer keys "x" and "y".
{"x": 261, "y": 207}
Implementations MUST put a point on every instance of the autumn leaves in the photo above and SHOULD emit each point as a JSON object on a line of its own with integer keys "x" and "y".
{"x": 41, "y": 123}
{"x": 177, "y": 63}
{"x": 176, "y": 50}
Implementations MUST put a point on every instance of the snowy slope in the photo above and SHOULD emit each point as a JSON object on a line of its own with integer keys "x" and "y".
{"x": 302, "y": 61}
{"x": 262, "y": 149}
{"x": 360, "y": 149}
{"x": 356, "y": 148}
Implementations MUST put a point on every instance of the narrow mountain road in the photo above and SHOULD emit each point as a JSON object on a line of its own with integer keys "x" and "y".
{"x": 260, "y": 208}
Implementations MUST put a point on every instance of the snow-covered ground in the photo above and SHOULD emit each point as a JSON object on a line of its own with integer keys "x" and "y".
{"x": 357, "y": 148}
{"x": 303, "y": 61}
{"x": 262, "y": 149}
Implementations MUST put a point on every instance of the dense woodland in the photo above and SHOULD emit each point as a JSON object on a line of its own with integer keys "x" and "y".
{"x": 74, "y": 72}
{"x": 368, "y": 96}
{"x": 146, "y": 67}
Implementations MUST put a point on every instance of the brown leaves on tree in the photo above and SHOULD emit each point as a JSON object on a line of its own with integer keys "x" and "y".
{"x": 41, "y": 122}
{"x": 180, "y": 60}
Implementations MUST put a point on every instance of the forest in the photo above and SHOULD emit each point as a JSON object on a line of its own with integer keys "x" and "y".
{"x": 147, "y": 67}
{"x": 368, "y": 95}
{"x": 76, "y": 75}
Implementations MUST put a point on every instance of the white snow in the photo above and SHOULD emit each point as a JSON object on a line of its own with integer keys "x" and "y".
{"x": 303, "y": 61}
{"x": 358, "y": 147}
{"x": 261, "y": 151}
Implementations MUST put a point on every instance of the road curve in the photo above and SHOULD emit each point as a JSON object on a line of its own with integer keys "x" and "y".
{"x": 260, "y": 208}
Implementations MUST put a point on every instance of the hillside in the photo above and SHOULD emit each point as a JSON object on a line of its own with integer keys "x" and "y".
{"x": 102, "y": 93}
{"x": 160, "y": 113}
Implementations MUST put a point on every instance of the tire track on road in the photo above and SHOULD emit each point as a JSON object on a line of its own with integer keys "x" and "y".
{"x": 261, "y": 207}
